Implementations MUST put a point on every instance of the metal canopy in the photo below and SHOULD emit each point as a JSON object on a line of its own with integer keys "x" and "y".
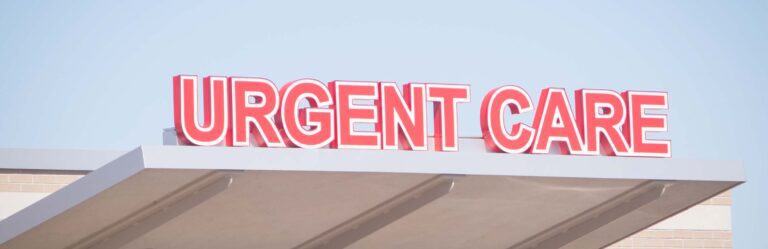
{"x": 194, "y": 197}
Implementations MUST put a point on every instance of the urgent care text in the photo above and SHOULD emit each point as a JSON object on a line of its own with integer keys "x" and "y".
{"x": 306, "y": 113}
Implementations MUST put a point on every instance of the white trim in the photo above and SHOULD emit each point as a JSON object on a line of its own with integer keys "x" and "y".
{"x": 429, "y": 162}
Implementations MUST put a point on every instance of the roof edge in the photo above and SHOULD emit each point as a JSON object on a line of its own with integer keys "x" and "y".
{"x": 90, "y": 185}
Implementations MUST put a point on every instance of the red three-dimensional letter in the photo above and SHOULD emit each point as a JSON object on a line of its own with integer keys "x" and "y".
{"x": 445, "y": 98}
{"x": 492, "y": 120}
{"x": 349, "y": 113}
{"x": 292, "y": 119}
{"x": 214, "y": 129}
{"x": 641, "y": 122}
{"x": 554, "y": 123}
{"x": 402, "y": 118}
{"x": 600, "y": 115}
{"x": 254, "y": 104}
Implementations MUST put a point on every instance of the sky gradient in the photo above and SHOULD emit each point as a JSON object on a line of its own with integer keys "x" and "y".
{"x": 97, "y": 75}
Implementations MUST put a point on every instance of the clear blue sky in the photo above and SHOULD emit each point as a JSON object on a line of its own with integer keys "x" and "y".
{"x": 98, "y": 75}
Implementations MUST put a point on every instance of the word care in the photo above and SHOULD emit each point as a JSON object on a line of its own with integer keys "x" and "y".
{"x": 306, "y": 113}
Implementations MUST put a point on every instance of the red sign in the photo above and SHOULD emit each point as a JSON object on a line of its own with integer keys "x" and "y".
{"x": 241, "y": 111}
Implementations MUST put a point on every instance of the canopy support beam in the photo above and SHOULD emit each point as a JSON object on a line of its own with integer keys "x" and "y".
{"x": 157, "y": 214}
{"x": 382, "y": 214}
{"x": 594, "y": 218}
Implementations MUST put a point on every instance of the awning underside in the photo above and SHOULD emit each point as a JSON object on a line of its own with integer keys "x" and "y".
{"x": 176, "y": 208}
{"x": 198, "y": 198}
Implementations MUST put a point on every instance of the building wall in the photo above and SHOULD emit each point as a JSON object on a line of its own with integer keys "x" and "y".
{"x": 20, "y": 188}
{"x": 707, "y": 225}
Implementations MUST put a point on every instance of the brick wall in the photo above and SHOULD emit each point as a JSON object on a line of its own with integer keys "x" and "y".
{"x": 663, "y": 239}
{"x": 689, "y": 237}
{"x": 36, "y": 180}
